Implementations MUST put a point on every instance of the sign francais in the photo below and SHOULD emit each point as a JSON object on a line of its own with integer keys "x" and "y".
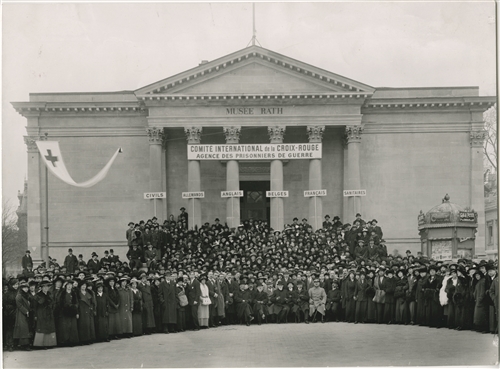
{"x": 255, "y": 151}
{"x": 312, "y": 193}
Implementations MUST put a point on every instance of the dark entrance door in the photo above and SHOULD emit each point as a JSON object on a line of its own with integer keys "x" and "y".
{"x": 254, "y": 203}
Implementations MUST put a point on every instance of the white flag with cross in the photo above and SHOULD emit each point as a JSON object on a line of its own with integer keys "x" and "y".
{"x": 52, "y": 157}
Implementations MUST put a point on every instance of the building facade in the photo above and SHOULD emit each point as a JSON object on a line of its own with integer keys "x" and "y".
{"x": 401, "y": 148}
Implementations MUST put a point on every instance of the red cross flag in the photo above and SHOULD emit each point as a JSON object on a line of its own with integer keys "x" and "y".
{"x": 52, "y": 157}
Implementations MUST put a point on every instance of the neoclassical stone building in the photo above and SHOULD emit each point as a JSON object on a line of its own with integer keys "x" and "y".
{"x": 276, "y": 124}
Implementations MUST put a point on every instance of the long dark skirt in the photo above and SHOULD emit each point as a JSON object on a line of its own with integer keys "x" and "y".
{"x": 69, "y": 331}
{"x": 360, "y": 315}
{"x": 137, "y": 323}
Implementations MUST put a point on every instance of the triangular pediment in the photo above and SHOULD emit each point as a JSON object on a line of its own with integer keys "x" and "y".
{"x": 254, "y": 70}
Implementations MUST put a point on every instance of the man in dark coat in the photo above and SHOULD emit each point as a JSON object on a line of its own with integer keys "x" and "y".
{"x": 168, "y": 299}
{"x": 260, "y": 300}
{"x": 93, "y": 264}
{"x": 70, "y": 262}
{"x": 27, "y": 262}
{"x": 390, "y": 301}
{"x": 243, "y": 299}
{"x": 193, "y": 294}
{"x": 433, "y": 309}
{"x": 148, "y": 318}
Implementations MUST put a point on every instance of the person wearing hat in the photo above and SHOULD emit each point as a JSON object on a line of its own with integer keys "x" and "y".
{"x": 183, "y": 218}
{"x": 380, "y": 286}
{"x": 390, "y": 301}
{"x": 481, "y": 308}
{"x": 114, "y": 322}
{"x": 86, "y": 306}
{"x": 278, "y": 299}
{"x": 68, "y": 319}
{"x": 333, "y": 303}
{"x": 243, "y": 301}
{"x": 360, "y": 298}
{"x": 348, "y": 294}
{"x": 136, "y": 307}
{"x": 22, "y": 331}
{"x": 326, "y": 223}
{"x": 493, "y": 294}
{"x": 125, "y": 307}
{"x": 101, "y": 313}
{"x": 70, "y": 262}
{"x": 400, "y": 315}
{"x": 94, "y": 265}
{"x": 45, "y": 330}
{"x": 433, "y": 309}
{"x": 148, "y": 318}
{"x": 167, "y": 293}
{"x": 203, "y": 303}
{"x": 27, "y": 262}
{"x": 419, "y": 296}
{"x": 260, "y": 300}
{"x": 317, "y": 301}
{"x": 9, "y": 312}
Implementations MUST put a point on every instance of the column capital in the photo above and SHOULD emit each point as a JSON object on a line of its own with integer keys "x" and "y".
{"x": 30, "y": 141}
{"x": 276, "y": 133}
{"x": 155, "y": 135}
{"x": 477, "y": 138}
{"x": 315, "y": 133}
{"x": 193, "y": 134}
{"x": 232, "y": 134}
{"x": 353, "y": 133}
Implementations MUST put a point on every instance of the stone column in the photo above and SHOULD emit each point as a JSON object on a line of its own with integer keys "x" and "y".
{"x": 276, "y": 135}
{"x": 352, "y": 172}
{"x": 193, "y": 135}
{"x": 36, "y": 201}
{"x": 315, "y": 134}
{"x": 155, "y": 135}
{"x": 477, "y": 138}
{"x": 232, "y": 179}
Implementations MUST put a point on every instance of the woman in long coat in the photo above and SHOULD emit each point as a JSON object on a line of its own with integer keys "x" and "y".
{"x": 125, "y": 308}
{"x": 102, "y": 312}
{"x": 136, "y": 308}
{"x": 86, "y": 328}
{"x": 45, "y": 332}
{"x": 69, "y": 316}
{"x": 114, "y": 323}
{"x": 349, "y": 293}
{"x": 9, "y": 312}
{"x": 168, "y": 299}
{"x": 371, "y": 306}
{"x": 481, "y": 308}
{"x": 361, "y": 299}
{"x": 22, "y": 326}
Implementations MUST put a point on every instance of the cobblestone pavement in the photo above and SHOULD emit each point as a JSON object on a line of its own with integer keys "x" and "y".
{"x": 287, "y": 345}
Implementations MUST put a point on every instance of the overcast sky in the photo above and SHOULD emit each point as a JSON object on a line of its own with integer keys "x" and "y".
{"x": 112, "y": 47}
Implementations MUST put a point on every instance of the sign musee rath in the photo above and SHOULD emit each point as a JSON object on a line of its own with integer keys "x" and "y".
{"x": 255, "y": 151}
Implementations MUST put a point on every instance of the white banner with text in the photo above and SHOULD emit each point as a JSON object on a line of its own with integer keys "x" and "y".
{"x": 255, "y": 151}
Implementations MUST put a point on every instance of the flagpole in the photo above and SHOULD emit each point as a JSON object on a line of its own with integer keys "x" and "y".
{"x": 46, "y": 256}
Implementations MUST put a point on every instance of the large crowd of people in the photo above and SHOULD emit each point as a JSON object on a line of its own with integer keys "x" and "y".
{"x": 177, "y": 279}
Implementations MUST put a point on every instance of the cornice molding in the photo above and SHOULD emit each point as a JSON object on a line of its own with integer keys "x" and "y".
{"x": 95, "y": 131}
{"x": 79, "y": 109}
{"x": 255, "y": 121}
{"x": 428, "y": 104}
{"x": 415, "y": 127}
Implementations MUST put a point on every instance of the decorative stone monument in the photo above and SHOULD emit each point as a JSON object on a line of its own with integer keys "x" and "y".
{"x": 447, "y": 231}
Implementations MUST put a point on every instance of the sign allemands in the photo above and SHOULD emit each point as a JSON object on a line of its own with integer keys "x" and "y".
{"x": 193, "y": 195}
{"x": 348, "y": 193}
{"x": 276, "y": 193}
{"x": 231, "y": 194}
{"x": 312, "y": 193}
{"x": 255, "y": 151}
{"x": 154, "y": 195}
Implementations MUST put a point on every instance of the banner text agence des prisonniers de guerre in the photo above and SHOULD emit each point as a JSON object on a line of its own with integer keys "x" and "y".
{"x": 255, "y": 151}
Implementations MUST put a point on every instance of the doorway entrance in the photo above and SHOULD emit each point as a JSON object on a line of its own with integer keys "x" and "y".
{"x": 254, "y": 204}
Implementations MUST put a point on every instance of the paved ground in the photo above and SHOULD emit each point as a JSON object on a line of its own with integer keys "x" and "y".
{"x": 288, "y": 345}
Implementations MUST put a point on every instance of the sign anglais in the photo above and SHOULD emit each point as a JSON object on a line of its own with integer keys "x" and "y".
{"x": 231, "y": 194}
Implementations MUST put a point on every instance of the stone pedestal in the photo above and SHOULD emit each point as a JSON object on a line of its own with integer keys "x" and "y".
{"x": 193, "y": 135}
{"x": 233, "y": 213}
{"x": 155, "y": 136}
{"x": 276, "y": 135}
{"x": 315, "y": 134}
{"x": 352, "y": 171}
